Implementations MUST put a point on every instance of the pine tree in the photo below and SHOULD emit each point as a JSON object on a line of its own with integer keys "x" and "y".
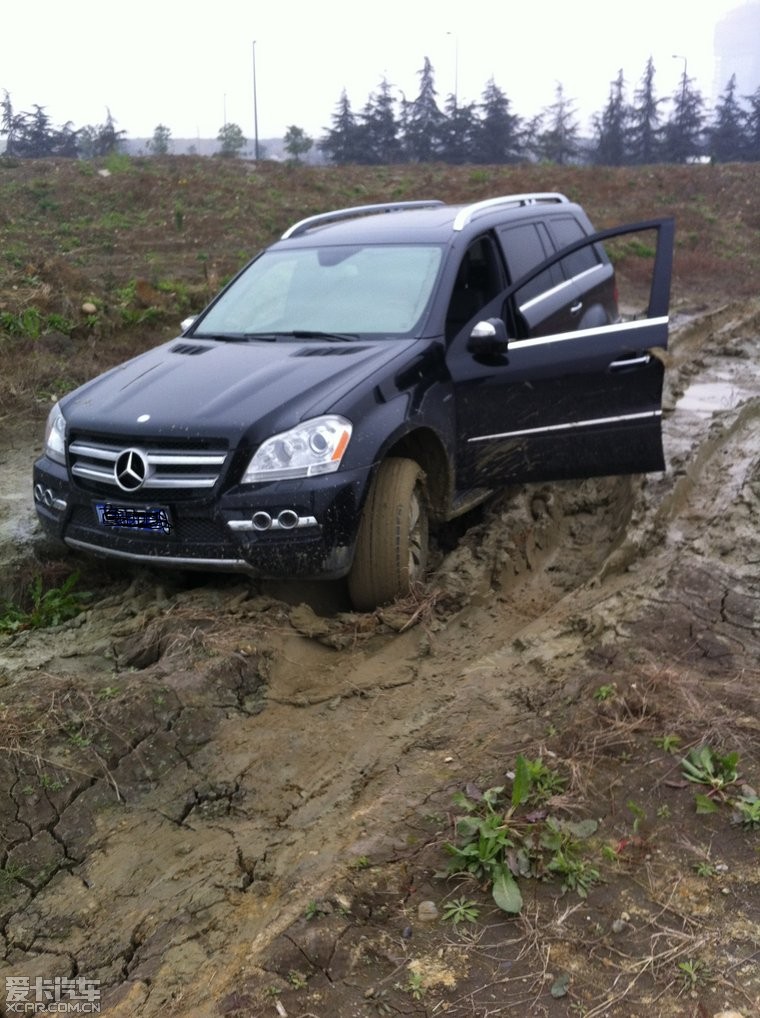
{"x": 342, "y": 143}
{"x": 459, "y": 132}
{"x": 497, "y": 138}
{"x": 423, "y": 121}
{"x": 557, "y": 138}
{"x": 611, "y": 127}
{"x": 685, "y": 128}
{"x": 645, "y": 135}
{"x": 728, "y": 140}
{"x": 379, "y": 129}
{"x": 752, "y": 126}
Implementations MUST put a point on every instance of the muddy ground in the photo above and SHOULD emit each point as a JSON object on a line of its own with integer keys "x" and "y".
{"x": 226, "y": 799}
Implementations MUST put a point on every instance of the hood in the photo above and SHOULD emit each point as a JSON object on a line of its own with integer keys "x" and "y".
{"x": 203, "y": 388}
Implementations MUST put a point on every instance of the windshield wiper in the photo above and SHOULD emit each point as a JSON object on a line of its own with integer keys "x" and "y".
{"x": 237, "y": 337}
{"x": 332, "y": 337}
{"x": 272, "y": 337}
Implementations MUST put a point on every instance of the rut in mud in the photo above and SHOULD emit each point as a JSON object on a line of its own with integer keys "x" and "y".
{"x": 188, "y": 763}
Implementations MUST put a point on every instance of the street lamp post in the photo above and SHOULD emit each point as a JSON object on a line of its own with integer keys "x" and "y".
{"x": 682, "y": 111}
{"x": 677, "y": 56}
{"x": 255, "y": 110}
{"x": 456, "y": 68}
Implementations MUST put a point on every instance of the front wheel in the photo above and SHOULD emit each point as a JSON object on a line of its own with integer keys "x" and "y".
{"x": 392, "y": 544}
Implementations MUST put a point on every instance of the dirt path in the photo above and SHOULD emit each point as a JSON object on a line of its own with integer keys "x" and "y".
{"x": 187, "y": 765}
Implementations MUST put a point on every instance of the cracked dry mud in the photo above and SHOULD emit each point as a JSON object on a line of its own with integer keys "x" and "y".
{"x": 190, "y": 763}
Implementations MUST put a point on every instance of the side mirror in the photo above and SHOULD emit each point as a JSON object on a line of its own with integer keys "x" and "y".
{"x": 488, "y": 338}
{"x": 187, "y": 322}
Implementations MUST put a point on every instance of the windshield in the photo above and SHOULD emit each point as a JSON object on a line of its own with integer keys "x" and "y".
{"x": 346, "y": 289}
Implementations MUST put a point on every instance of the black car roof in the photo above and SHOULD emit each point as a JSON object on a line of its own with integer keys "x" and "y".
{"x": 414, "y": 222}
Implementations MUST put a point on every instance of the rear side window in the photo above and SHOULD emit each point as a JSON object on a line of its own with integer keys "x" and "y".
{"x": 567, "y": 230}
{"x": 526, "y": 245}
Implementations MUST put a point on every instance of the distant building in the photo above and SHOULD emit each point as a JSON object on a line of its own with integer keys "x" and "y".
{"x": 737, "y": 49}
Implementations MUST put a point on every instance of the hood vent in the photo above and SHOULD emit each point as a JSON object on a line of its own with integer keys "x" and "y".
{"x": 188, "y": 349}
{"x": 330, "y": 351}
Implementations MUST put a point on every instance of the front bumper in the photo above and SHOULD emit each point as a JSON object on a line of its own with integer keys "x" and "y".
{"x": 285, "y": 529}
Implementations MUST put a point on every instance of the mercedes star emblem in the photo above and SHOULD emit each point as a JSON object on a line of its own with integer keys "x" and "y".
{"x": 131, "y": 469}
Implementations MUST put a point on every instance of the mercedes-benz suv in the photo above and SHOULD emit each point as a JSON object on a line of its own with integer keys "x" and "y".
{"x": 376, "y": 371}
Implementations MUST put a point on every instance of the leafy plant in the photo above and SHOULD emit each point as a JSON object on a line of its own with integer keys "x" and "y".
{"x": 565, "y": 861}
{"x": 605, "y": 692}
{"x": 639, "y": 815}
{"x": 78, "y": 738}
{"x": 704, "y": 766}
{"x": 692, "y": 973}
{"x": 669, "y": 742}
{"x": 415, "y": 986}
{"x": 496, "y": 845}
{"x": 27, "y": 323}
{"x": 747, "y": 811}
{"x": 484, "y": 842}
{"x": 314, "y": 909}
{"x": 534, "y": 782}
{"x": 461, "y": 910}
{"x": 704, "y": 869}
{"x": 48, "y": 607}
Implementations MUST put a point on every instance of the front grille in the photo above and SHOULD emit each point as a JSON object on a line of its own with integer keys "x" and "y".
{"x": 167, "y": 467}
{"x": 190, "y": 530}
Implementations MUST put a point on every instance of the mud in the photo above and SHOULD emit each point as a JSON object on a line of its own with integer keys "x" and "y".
{"x": 191, "y": 761}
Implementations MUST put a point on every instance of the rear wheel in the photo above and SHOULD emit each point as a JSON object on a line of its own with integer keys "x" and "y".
{"x": 392, "y": 545}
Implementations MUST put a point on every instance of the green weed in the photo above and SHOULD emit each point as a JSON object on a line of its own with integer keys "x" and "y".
{"x": 704, "y": 766}
{"x": 669, "y": 743}
{"x": 414, "y": 986}
{"x": 48, "y": 607}
{"x": 747, "y": 811}
{"x": 605, "y": 692}
{"x": 496, "y": 844}
{"x": 461, "y": 910}
{"x": 692, "y": 973}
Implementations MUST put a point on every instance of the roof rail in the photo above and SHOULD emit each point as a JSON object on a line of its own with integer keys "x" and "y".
{"x": 359, "y": 210}
{"x": 468, "y": 213}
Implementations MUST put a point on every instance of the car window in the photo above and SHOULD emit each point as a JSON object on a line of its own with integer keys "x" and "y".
{"x": 347, "y": 289}
{"x": 526, "y": 245}
{"x": 566, "y": 230}
{"x": 479, "y": 280}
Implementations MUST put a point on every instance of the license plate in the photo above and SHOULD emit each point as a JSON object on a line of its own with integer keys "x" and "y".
{"x": 153, "y": 519}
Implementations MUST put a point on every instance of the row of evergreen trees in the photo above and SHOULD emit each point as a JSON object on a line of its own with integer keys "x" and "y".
{"x": 391, "y": 130}
{"x": 489, "y": 132}
{"x": 33, "y": 135}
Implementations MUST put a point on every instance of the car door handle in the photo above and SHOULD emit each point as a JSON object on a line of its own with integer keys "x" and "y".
{"x": 630, "y": 362}
{"x": 575, "y": 309}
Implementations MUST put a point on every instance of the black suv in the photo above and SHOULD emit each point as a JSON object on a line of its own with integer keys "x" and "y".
{"x": 374, "y": 372}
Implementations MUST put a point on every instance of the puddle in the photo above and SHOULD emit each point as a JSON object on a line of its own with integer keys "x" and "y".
{"x": 707, "y": 398}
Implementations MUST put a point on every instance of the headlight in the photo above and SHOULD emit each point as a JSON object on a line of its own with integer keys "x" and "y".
{"x": 314, "y": 447}
{"x": 55, "y": 435}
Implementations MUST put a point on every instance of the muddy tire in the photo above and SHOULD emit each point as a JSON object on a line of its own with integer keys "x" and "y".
{"x": 392, "y": 546}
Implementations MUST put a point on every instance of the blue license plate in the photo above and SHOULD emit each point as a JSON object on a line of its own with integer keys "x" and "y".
{"x": 154, "y": 519}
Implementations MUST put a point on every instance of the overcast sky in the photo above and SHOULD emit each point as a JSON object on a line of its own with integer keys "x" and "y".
{"x": 189, "y": 64}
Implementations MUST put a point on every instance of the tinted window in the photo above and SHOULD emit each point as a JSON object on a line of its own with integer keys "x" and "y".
{"x": 525, "y": 246}
{"x": 567, "y": 230}
{"x": 478, "y": 281}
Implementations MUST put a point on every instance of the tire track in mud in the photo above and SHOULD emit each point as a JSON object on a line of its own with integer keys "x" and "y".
{"x": 259, "y": 748}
